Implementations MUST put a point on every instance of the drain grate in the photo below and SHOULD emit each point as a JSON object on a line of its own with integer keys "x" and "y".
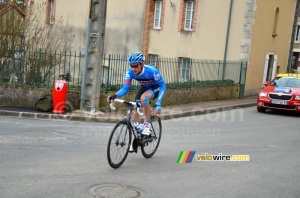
{"x": 115, "y": 191}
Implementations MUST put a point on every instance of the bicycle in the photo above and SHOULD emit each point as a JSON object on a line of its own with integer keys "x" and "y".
{"x": 121, "y": 136}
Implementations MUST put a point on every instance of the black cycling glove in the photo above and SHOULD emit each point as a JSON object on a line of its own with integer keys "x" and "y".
{"x": 111, "y": 98}
{"x": 138, "y": 103}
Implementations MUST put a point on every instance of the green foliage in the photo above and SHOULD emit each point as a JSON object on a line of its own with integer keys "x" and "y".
{"x": 197, "y": 83}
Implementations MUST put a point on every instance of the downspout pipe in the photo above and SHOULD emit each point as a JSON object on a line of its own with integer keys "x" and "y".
{"x": 88, "y": 33}
{"x": 227, "y": 38}
{"x": 87, "y": 45}
{"x": 290, "y": 60}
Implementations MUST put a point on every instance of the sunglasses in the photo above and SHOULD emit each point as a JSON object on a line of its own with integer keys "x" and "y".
{"x": 134, "y": 66}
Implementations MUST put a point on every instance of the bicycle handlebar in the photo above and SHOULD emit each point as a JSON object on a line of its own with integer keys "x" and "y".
{"x": 112, "y": 107}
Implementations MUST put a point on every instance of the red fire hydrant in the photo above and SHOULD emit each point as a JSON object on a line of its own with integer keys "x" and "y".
{"x": 59, "y": 96}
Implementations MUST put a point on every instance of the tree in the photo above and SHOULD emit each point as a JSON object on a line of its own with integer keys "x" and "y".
{"x": 40, "y": 34}
{"x": 36, "y": 41}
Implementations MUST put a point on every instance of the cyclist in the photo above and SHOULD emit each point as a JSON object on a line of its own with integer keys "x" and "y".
{"x": 152, "y": 86}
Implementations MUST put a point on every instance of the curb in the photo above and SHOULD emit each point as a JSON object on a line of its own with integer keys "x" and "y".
{"x": 114, "y": 119}
{"x": 206, "y": 111}
{"x": 58, "y": 116}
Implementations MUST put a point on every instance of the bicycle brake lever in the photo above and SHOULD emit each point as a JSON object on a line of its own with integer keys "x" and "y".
{"x": 111, "y": 106}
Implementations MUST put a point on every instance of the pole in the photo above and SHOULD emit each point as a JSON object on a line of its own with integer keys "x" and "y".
{"x": 289, "y": 66}
{"x": 94, "y": 56}
{"x": 227, "y": 37}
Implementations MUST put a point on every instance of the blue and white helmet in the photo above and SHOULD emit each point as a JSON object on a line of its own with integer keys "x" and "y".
{"x": 136, "y": 57}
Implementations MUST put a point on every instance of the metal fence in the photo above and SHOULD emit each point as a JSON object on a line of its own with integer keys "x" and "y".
{"x": 175, "y": 71}
{"x": 40, "y": 68}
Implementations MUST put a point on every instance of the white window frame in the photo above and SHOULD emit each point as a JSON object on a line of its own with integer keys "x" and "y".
{"x": 297, "y": 34}
{"x": 157, "y": 15}
{"x": 185, "y": 69}
{"x": 189, "y": 15}
{"x": 52, "y": 13}
{"x": 153, "y": 59}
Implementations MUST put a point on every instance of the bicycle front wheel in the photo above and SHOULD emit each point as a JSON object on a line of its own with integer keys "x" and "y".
{"x": 150, "y": 143}
{"x": 118, "y": 144}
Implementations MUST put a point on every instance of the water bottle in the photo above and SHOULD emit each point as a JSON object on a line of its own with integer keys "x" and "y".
{"x": 136, "y": 124}
{"x": 139, "y": 127}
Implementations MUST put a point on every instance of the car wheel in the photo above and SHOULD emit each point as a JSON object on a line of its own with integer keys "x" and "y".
{"x": 260, "y": 109}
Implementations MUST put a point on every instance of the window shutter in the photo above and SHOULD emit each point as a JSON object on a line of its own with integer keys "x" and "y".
{"x": 189, "y": 15}
{"x": 157, "y": 14}
{"x": 51, "y": 12}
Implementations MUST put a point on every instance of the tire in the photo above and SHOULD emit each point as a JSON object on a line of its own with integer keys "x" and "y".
{"x": 118, "y": 144}
{"x": 150, "y": 143}
{"x": 261, "y": 110}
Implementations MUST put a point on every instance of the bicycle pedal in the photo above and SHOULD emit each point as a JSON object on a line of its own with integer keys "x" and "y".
{"x": 133, "y": 148}
{"x": 132, "y": 151}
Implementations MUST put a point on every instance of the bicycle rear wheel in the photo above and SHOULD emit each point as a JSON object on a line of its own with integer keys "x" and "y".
{"x": 118, "y": 144}
{"x": 150, "y": 143}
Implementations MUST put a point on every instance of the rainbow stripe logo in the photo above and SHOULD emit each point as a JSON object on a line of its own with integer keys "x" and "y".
{"x": 185, "y": 157}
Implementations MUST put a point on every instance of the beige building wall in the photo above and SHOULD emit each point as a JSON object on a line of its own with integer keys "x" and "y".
{"x": 263, "y": 43}
{"x": 124, "y": 23}
{"x": 75, "y": 15}
{"x": 124, "y": 26}
{"x": 250, "y": 36}
{"x": 209, "y": 39}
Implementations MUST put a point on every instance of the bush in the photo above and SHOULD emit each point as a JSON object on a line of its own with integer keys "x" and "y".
{"x": 197, "y": 83}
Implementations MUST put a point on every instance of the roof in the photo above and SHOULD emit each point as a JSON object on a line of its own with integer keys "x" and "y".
{"x": 11, "y": 5}
{"x": 289, "y": 75}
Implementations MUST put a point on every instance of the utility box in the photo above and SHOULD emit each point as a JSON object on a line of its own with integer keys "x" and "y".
{"x": 59, "y": 96}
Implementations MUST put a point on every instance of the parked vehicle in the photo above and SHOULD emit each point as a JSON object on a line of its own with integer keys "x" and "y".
{"x": 12, "y": 70}
{"x": 283, "y": 93}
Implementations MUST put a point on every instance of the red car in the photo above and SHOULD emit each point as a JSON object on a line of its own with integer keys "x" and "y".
{"x": 283, "y": 93}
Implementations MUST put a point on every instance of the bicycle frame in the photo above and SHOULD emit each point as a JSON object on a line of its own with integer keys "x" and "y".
{"x": 130, "y": 124}
{"x": 129, "y": 121}
{"x": 119, "y": 143}
{"x": 128, "y": 116}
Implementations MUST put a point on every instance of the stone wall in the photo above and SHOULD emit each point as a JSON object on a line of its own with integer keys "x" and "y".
{"x": 196, "y": 94}
{"x": 26, "y": 96}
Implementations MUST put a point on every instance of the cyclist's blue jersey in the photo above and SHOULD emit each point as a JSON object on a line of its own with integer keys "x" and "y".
{"x": 150, "y": 77}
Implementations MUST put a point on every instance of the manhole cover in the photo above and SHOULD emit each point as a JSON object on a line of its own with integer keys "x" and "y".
{"x": 115, "y": 190}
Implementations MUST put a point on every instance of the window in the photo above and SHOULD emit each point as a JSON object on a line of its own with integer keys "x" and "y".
{"x": 51, "y": 11}
{"x": 157, "y": 15}
{"x": 185, "y": 67}
{"x": 297, "y": 34}
{"x": 153, "y": 59}
{"x": 274, "y": 34}
{"x": 50, "y": 15}
{"x": 189, "y": 15}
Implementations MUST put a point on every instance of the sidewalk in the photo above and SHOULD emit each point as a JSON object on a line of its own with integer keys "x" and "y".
{"x": 168, "y": 112}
